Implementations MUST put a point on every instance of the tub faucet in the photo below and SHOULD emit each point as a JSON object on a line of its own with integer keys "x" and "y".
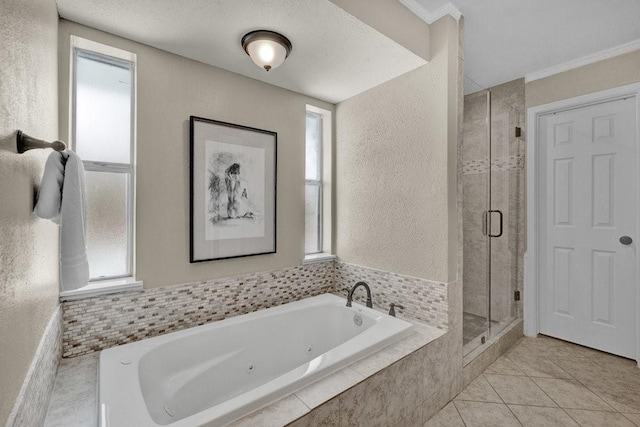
{"x": 392, "y": 309}
{"x": 350, "y": 294}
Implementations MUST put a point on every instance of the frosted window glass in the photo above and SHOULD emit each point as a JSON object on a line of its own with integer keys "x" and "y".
{"x": 107, "y": 225}
{"x": 311, "y": 220}
{"x": 313, "y": 146}
{"x": 103, "y": 111}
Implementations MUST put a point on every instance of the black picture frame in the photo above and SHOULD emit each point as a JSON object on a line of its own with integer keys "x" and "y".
{"x": 223, "y": 225}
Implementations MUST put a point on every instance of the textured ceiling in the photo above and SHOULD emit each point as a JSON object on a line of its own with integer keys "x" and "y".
{"x": 334, "y": 57}
{"x": 509, "y": 39}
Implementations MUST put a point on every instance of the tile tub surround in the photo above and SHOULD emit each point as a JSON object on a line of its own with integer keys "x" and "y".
{"x": 547, "y": 382}
{"x": 95, "y": 324}
{"x": 406, "y": 393}
{"x": 73, "y": 401}
{"x": 31, "y": 404}
{"x": 423, "y": 300}
{"x": 380, "y": 380}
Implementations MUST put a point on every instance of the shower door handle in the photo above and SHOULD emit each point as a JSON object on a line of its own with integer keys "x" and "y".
{"x": 485, "y": 219}
{"x": 499, "y": 212}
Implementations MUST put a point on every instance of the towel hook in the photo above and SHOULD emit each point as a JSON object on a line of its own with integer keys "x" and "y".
{"x": 25, "y": 142}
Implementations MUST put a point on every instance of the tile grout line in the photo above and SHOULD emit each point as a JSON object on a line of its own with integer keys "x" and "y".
{"x": 459, "y": 414}
{"x": 569, "y": 415}
{"x": 500, "y": 397}
{"x": 627, "y": 417}
{"x": 572, "y": 378}
{"x": 514, "y": 415}
{"x": 566, "y": 377}
{"x": 533, "y": 381}
{"x": 493, "y": 388}
{"x": 542, "y": 390}
{"x": 562, "y": 369}
{"x": 304, "y": 403}
{"x": 596, "y": 410}
{"x": 599, "y": 397}
{"x": 513, "y": 363}
{"x": 591, "y": 390}
{"x": 533, "y": 376}
{"x": 476, "y": 401}
{"x": 546, "y": 394}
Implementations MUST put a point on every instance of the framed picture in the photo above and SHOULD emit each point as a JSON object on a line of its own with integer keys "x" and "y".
{"x": 233, "y": 190}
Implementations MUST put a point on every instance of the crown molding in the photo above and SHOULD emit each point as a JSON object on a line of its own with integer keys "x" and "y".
{"x": 585, "y": 60}
{"x": 431, "y": 17}
{"x": 446, "y": 9}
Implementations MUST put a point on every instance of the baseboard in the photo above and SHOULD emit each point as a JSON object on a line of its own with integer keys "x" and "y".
{"x": 30, "y": 408}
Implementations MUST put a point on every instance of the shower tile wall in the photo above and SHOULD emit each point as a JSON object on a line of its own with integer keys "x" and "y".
{"x": 507, "y": 168}
{"x": 474, "y": 166}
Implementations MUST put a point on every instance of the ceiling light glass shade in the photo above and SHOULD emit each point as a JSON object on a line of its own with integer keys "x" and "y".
{"x": 266, "y": 49}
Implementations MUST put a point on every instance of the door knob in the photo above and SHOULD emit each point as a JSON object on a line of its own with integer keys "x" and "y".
{"x": 626, "y": 240}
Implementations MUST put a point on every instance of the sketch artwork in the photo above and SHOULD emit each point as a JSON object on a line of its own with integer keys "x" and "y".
{"x": 232, "y": 190}
{"x": 235, "y": 191}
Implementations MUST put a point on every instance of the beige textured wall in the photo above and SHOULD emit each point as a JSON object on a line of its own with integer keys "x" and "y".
{"x": 396, "y": 169}
{"x": 28, "y": 246}
{"x": 613, "y": 72}
{"x": 450, "y": 39}
{"x": 385, "y": 15}
{"x": 170, "y": 89}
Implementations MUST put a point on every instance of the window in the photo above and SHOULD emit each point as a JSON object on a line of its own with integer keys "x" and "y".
{"x": 103, "y": 135}
{"x": 313, "y": 185}
{"x": 317, "y": 182}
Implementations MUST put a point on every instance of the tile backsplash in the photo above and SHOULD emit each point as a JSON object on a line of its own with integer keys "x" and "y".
{"x": 95, "y": 324}
{"x": 422, "y": 299}
{"x": 98, "y": 323}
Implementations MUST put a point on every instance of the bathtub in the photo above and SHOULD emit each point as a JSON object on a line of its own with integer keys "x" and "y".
{"x": 213, "y": 374}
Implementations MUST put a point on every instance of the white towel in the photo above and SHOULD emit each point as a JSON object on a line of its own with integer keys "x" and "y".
{"x": 62, "y": 199}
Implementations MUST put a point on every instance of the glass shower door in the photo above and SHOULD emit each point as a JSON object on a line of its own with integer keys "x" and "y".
{"x": 504, "y": 237}
{"x": 492, "y": 181}
{"x": 475, "y": 207}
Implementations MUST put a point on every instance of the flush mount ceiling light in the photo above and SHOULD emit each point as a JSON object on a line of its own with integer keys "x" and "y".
{"x": 267, "y": 49}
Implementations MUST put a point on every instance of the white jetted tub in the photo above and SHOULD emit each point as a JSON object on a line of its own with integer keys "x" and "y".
{"x": 213, "y": 374}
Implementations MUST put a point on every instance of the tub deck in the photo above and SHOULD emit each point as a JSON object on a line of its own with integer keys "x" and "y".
{"x": 74, "y": 399}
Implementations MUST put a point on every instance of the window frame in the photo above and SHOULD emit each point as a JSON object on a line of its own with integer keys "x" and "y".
{"x": 110, "y": 55}
{"x": 319, "y": 183}
{"x": 325, "y": 187}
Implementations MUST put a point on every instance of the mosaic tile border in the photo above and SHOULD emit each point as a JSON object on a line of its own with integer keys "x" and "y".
{"x": 98, "y": 323}
{"x": 499, "y": 164}
{"x": 95, "y": 324}
{"x": 423, "y": 300}
{"x": 30, "y": 408}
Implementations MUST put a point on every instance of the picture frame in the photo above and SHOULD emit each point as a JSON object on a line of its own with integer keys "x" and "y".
{"x": 233, "y": 175}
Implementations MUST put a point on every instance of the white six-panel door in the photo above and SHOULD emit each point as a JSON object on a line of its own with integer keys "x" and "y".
{"x": 587, "y": 202}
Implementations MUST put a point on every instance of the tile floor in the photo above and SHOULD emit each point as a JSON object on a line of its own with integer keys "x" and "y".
{"x": 547, "y": 382}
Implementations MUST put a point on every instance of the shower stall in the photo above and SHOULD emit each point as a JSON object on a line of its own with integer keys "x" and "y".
{"x": 493, "y": 212}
